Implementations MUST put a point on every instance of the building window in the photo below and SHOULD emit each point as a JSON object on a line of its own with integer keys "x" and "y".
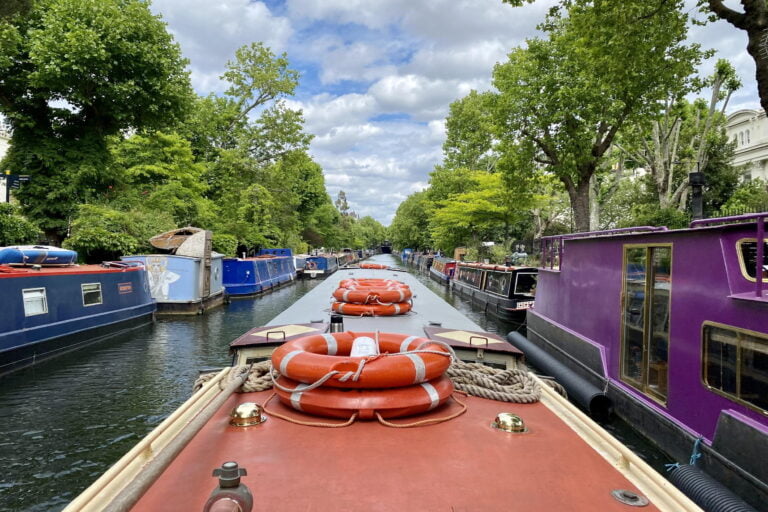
{"x": 736, "y": 364}
{"x": 741, "y": 138}
{"x": 35, "y": 302}
{"x": 91, "y": 294}
{"x": 747, "y": 136}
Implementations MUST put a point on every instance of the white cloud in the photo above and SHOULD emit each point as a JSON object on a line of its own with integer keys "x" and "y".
{"x": 378, "y": 76}
{"x": 210, "y": 32}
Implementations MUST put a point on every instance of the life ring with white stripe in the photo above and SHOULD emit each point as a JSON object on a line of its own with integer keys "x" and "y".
{"x": 343, "y": 403}
{"x": 372, "y": 295}
{"x": 403, "y": 360}
{"x": 373, "y": 266}
{"x": 395, "y": 308}
{"x": 381, "y": 283}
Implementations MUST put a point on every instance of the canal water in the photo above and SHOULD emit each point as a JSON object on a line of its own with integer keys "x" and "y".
{"x": 65, "y": 421}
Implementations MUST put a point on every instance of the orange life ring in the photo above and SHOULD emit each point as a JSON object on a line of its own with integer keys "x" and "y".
{"x": 343, "y": 403}
{"x": 395, "y": 308}
{"x": 311, "y": 358}
{"x": 373, "y": 266}
{"x": 372, "y": 295}
{"x": 358, "y": 283}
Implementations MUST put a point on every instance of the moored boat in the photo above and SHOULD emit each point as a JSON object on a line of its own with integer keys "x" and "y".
{"x": 442, "y": 269}
{"x": 244, "y": 277}
{"x": 674, "y": 325}
{"x": 49, "y": 310}
{"x": 504, "y": 292}
{"x": 189, "y": 281}
{"x": 555, "y": 457}
{"x": 320, "y": 265}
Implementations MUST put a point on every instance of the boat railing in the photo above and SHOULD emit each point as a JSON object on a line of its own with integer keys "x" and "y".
{"x": 759, "y": 238}
{"x": 553, "y": 246}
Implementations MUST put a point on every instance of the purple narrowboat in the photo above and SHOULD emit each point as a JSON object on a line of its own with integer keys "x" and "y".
{"x": 673, "y": 325}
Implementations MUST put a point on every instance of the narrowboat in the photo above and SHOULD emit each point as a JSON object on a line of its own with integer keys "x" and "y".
{"x": 22, "y": 255}
{"x": 340, "y": 444}
{"x": 245, "y": 277}
{"x": 189, "y": 281}
{"x": 673, "y": 324}
{"x": 49, "y": 310}
{"x": 442, "y": 269}
{"x": 504, "y": 292}
{"x": 320, "y": 265}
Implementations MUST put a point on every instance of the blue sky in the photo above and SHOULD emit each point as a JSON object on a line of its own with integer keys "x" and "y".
{"x": 378, "y": 76}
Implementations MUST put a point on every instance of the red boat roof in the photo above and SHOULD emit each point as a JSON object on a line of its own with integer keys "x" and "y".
{"x": 461, "y": 464}
{"x": 12, "y": 271}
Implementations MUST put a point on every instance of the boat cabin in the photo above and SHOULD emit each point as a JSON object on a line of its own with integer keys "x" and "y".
{"x": 675, "y": 324}
{"x": 505, "y": 292}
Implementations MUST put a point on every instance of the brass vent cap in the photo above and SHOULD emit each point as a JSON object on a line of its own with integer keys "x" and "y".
{"x": 247, "y": 414}
{"x": 508, "y": 422}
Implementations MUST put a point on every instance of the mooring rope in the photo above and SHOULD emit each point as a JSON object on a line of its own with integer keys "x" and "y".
{"x": 512, "y": 385}
{"x": 259, "y": 379}
{"x": 476, "y": 379}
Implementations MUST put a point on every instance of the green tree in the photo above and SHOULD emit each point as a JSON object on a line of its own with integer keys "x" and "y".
{"x": 410, "y": 227}
{"x": 15, "y": 228}
{"x": 604, "y": 64}
{"x": 75, "y": 72}
{"x": 469, "y": 141}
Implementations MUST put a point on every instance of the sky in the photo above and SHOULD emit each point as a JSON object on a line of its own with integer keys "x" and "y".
{"x": 378, "y": 76}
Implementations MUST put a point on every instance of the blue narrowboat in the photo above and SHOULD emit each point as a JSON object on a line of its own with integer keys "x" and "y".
{"x": 51, "y": 310}
{"x": 244, "y": 277}
{"x": 320, "y": 265}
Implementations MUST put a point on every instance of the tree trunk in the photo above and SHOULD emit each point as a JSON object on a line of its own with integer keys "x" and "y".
{"x": 580, "y": 204}
{"x": 758, "y": 49}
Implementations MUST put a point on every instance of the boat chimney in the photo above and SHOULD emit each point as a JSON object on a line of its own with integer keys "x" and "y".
{"x": 697, "y": 182}
{"x": 337, "y": 323}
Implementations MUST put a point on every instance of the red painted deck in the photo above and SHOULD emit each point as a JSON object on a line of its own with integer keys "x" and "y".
{"x": 459, "y": 465}
{"x": 13, "y": 271}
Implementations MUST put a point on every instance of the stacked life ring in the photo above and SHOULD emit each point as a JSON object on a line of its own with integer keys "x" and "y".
{"x": 374, "y": 266}
{"x": 372, "y": 297}
{"x": 319, "y": 376}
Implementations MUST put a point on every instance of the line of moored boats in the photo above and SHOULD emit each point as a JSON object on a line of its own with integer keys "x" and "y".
{"x": 53, "y": 305}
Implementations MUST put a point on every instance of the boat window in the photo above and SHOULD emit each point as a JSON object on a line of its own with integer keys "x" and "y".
{"x": 748, "y": 258}
{"x": 91, "y": 294}
{"x": 35, "y": 302}
{"x": 736, "y": 364}
{"x": 472, "y": 276}
{"x": 498, "y": 283}
{"x": 645, "y": 319}
{"x": 525, "y": 284}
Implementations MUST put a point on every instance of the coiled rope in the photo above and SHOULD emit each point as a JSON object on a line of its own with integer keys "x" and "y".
{"x": 260, "y": 378}
{"x": 512, "y": 385}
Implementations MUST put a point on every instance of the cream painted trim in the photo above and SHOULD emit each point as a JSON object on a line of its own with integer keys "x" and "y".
{"x": 659, "y": 490}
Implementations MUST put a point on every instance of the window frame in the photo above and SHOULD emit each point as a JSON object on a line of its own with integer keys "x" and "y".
{"x": 642, "y": 385}
{"x": 703, "y": 374}
{"x": 45, "y": 300}
{"x": 740, "y": 257}
{"x": 101, "y": 294}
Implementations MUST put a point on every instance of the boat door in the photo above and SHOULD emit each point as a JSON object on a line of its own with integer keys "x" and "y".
{"x": 645, "y": 318}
